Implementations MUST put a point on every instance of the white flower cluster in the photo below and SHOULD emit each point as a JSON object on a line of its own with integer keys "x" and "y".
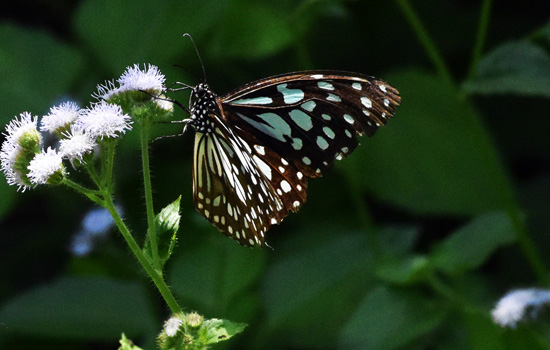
{"x": 149, "y": 79}
{"x": 24, "y": 161}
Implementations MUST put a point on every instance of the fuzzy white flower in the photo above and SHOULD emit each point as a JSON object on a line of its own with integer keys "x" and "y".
{"x": 44, "y": 166}
{"x": 134, "y": 78}
{"x": 149, "y": 79}
{"x": 520, "y": 305}
{"x": 105, "y": 91}
{"x": 76, "y": 143}
{"x": 20, "y": 132}
{"x": 60, "y": 117}
{"x": 104, "y": 120}
{"x": 172, "y": 325}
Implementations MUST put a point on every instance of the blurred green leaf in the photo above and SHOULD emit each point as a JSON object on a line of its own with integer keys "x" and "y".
{"x": 298, "y": 279}
{"x": 434, "y": 157}
{"x": 121, "y": 33}
{"x": 80, "y": 308}
{"x": 390, "y": 319}
{"x": 36, "y": 70}
{"x": 519, "y": 67}
{"x": 215, "y": 276}
{"x": 405, "y": 270}
{"x": 215, "y": 330}
{"x": 469, "y": 247}
{"x": 167, "y": 223}
{"x": 127, "y": 344}
{"x": 250, "y": 30}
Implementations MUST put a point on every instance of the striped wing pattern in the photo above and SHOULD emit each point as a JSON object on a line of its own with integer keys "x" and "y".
{"x": 256, "y": 146}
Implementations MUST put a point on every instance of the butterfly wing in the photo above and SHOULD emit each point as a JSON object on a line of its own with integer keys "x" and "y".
{"x": 262, "y": 141}
{"x": 310, "y": 118}
{"x": 229, "y": 189}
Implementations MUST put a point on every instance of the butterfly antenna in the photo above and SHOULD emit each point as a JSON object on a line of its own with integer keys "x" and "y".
{"x": 198, "y": 55}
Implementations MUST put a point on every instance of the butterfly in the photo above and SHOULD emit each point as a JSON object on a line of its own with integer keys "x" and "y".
{"x": 256, "y": 146}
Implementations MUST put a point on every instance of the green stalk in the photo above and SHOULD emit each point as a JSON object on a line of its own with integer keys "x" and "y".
{"x": 481, "y": 36}
{"x": 155, "y": 274}
{"x": 426, "y": 41}
{"x": 151, "y": 230}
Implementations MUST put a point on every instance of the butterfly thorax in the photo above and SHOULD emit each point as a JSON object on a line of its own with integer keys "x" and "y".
{"x": 203, "y": 104}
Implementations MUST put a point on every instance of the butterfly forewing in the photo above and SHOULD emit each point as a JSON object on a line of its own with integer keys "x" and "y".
{"x": 256, "y": 146}
{"x": 311, "y": 117}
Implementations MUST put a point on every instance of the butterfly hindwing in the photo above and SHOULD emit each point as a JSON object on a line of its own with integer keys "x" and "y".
{"x": 230, "y": 188}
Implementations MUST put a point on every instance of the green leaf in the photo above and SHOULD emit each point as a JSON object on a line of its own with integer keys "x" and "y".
{"x": 519, "y": 67}
{"x": 167, "y": 223}
{"x": 127, "y": 344}
{"x": 303, "y": 287}
{"x": 80, "y": 308}
{"x": 120, "y": 33}
{"x": 470, "y": 246}
{"x": 390, "y": 319}
{"x": 215, "y": 330}
{"x": 404, "y": 270}
{"x": 264, "y": 33}
{"x": 434, "y": 157}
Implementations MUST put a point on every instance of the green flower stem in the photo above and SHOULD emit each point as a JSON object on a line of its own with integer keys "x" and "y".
{"x": 93, "y": 195}
{"x": 426, "y": 41}
{"x": 481, "y": 36}
{"x": 151, "y": 230}
{"x": 527, "y": 244}
{"x": 155, "y": 274}
{"x": 93, "y": 173}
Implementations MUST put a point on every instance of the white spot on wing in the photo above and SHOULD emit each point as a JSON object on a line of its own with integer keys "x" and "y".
{"x": 366, "y": 102}
{"x": 260, "y": 149}
{"x": 264, "y": 168}
{"x": 285, "y": 186}
{"x": 349, "y": 118}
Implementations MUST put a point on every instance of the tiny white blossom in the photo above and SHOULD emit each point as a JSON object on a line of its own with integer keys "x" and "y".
{"x": 520, "y": 305}
{"x": 60, "y": 117}
{"x": 44, "y": 165}
{"x": 25, "y": 126}
{"x": 134, "y": 79}
{"x": 104, "y": 120}
{"x": 76, "y": 144}
{"x": 172, "y": 325}
{"x": 19, "y": 127}
{"x": 149, "y": 79}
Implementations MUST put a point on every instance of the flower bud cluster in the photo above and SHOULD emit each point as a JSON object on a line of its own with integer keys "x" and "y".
{"x": 26, "y": 163}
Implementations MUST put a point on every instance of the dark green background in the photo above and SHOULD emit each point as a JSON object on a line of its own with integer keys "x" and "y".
{"x": 407, "y": 244}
